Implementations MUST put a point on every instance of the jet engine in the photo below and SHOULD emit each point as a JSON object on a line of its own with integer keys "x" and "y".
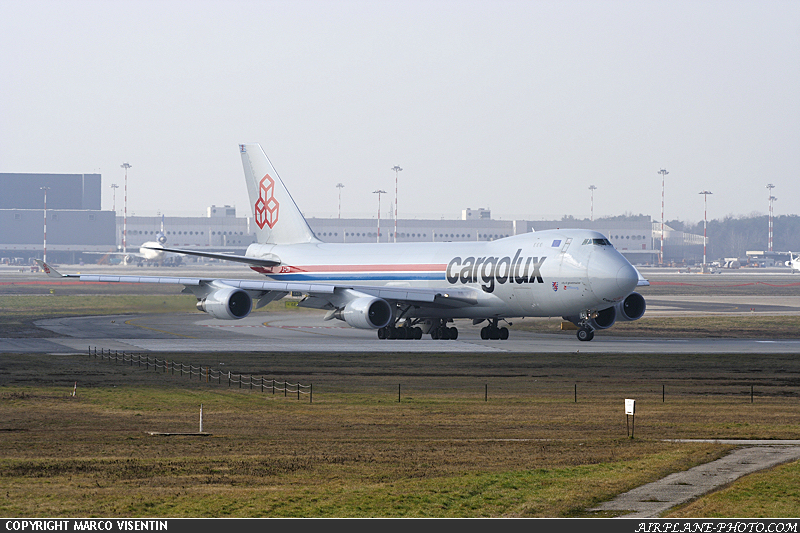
{"x": 366, "y": 313}
{"x": 605, "y": 318}
{"x": 631, "y": 308}
{"x": 227, "y": 303}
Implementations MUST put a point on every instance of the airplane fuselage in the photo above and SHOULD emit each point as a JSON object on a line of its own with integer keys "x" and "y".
{"x": 546, "y": 273}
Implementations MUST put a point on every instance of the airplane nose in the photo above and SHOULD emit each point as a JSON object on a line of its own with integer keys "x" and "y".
{"x": 611, "y": 276}
{"x": 627, "y": 277}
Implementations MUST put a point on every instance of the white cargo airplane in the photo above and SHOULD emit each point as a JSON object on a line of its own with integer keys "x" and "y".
{"x": 405, "y": 290}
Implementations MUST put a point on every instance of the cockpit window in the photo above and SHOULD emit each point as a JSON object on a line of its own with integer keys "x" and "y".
{"x": 597, "y": 242}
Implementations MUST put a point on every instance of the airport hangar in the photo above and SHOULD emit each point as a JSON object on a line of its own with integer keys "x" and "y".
{"x": 76, "y": 223}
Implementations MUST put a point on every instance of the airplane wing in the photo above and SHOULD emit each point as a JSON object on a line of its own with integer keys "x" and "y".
{"x": 266, "y": 262}
{"x": 316, "y": 295}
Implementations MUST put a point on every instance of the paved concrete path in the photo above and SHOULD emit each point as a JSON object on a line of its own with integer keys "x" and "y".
{"x": 649, "y": 501}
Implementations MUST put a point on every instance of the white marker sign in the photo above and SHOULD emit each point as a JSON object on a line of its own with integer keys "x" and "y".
{"x": 630, "y": 407}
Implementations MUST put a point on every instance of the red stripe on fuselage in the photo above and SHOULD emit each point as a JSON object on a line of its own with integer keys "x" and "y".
{"x": 286, "y": 269}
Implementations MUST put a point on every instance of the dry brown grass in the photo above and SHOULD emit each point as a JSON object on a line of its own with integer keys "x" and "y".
{"x": 442, "y": 450}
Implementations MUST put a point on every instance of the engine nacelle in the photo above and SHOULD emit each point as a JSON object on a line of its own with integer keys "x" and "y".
{"x": 632, "y": 307}
{"x": 366, "y": 313}
{"x": 605, "y": 318}
{"x": 227, "y": 303}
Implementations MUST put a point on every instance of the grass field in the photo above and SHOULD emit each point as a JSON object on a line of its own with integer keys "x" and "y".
{"x": 387, "y": 435}
{"x": 522, "y": 436}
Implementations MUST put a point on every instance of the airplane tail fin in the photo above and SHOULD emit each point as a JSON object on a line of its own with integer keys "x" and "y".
{"x": 278, "y": 219}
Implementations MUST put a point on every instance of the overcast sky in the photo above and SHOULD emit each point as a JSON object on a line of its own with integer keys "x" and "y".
{"x": 513, "y": 106}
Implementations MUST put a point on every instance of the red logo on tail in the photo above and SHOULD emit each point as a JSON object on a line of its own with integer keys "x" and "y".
{"x": 266, "y": 207}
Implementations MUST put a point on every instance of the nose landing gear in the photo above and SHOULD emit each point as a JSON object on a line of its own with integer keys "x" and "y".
{"x": 585, "y": 333}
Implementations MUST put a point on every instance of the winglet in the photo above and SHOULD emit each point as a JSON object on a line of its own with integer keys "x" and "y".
{"x": 50, "y": 271}
{"x": 642, "y": 281}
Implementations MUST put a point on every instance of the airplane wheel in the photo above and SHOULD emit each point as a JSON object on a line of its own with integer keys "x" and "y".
{"x": 494, "y": 334}
{"x": 485, "y": 333}
{"x": 503, "y": 333}
{"x": 381, "y": 333}
{"x": 391, "y": 333}
{"x": 402, "y": 333}
{"x": 444, "y": 333}
{"x": 417, "y": 333}
{"x": 453, "y": 333}
{"x": 585, "y": 334}
{"x": 435, "y": 334}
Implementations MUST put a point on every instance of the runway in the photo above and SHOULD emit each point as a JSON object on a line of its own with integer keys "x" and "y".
{"x": 306, "y": 331}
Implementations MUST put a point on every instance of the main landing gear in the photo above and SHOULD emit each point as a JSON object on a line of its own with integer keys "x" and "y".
{"x": 438, "y": 330}
{"x": 492, "y": 332}
{"x": 442, "y": 332}
{"x": 402, "y": 332}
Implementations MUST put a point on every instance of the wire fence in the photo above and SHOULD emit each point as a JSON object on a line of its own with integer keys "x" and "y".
{"x": 206, "y": 373}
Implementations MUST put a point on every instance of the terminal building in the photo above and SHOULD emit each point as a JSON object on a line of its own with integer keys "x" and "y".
{"x": 76, "y": 224}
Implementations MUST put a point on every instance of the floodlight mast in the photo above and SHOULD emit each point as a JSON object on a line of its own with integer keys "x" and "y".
{"x": 663, "y": 173}
{"x": 396, "y": 169}
{"x": 114, "y": 188}
{"x": 705, "y": 222}
{"x": 340, "y": 186}
{"x": 126, "y": 166}
{"x": 44, "y": 250}
{"x": 379, "y": 192}
{"x": 771, "y": 199}
{"x": 591, "y": 212}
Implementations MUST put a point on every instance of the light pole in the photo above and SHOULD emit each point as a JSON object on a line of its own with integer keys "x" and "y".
{"x": 591, "y": 213}
{"x": 396, "y": 169}
{"x": 114, "y": 188}
{"x": 340, "y": 186}
{"x": 379, "y": 192}
{"x": 126, "y": 166}
{"x": 705, "y": 222}
{"x": 771, "y": 199}
{"x": 663, "y": 173}
{"x": 44, "y": 255}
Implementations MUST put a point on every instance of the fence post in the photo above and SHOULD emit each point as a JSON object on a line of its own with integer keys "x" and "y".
{"x": 311, "y": 393}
